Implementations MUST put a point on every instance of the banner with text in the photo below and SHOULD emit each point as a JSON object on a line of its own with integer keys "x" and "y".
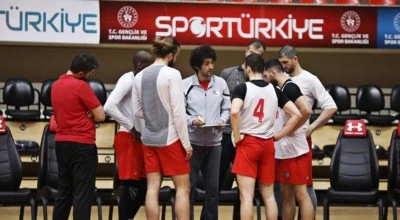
{"x": 389, "y": 28}
{"x": 236, "y": 25}
{"x": 50, "y": 21}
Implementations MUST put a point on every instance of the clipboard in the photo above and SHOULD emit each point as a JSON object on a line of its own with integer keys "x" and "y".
{"x": 213, "y": 125}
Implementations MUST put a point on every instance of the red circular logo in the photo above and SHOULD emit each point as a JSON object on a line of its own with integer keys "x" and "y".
{"x": 350, "y": 21}
{"x": 127, "y": 16}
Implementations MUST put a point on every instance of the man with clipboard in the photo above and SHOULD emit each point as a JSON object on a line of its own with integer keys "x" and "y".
{"x": 207, "y": 108}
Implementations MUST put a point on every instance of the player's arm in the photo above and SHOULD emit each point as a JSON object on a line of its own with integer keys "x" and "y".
{"x": 235, "y": 118}
{"x": 291, "y": 110}
{"x": 327, "y": 104}
{"x": 305, "y": 111}
{"x": 323, "y": 118}
{"x": 136, "y": 97}
{"x": 293, "y": 92}
{"x": 91, "y": 102}
{"x": 98, "y": 114}
{"x": 179, "y": 112}
{"x": 122, "y": 88}
{"x": 238, "y": 95}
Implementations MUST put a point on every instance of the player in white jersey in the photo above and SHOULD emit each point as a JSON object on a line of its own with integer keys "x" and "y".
{"x": 312, "y": 90}
{"x": 253, "y": 112}
{"x": 158, "y": 95}
{"x": 291, "y": 152}
{"x": 234, "y": 76}
{"x": 127, "y": 143}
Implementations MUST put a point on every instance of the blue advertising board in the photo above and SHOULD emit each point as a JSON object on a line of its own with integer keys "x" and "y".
{"x": 388, "y": 28}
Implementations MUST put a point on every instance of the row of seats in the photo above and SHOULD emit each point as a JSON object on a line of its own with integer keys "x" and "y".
{"x": 19, "y": 97}
{"x": 339, "y": 2}
{"x": 23, "y": 102}
{"x": 369, "y": 101}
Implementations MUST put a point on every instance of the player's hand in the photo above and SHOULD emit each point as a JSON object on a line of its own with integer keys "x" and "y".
{"x": 189, "y": 152}
{"x": 198, "y": 121}
{"x": 277, "y": 137}
{"x": 136, "y": 134}
{"x": 309, "y": 131}
{"x": 89, "y": 114}
{"x": 239, "y": 139}
{"x": 219, "y": 123}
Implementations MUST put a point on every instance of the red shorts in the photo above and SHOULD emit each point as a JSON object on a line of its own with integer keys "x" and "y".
{"x": 293, "y": 170}
{"x": 309, "y": 154}
{"x": 169, "y": 160}
{"x": 129, "y": 156}
{"x": 255, "y": 158}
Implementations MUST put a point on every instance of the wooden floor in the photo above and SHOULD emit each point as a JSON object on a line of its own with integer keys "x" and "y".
{"x": 225, "y": 213}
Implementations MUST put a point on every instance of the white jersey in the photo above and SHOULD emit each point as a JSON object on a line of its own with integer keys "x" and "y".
{"x": 312, "y": 90}
{"x": 158, "y": 95}
{"x": 119, "y": 104}
{"x": 259, "y": 110}
{"x": 296, "y": 144}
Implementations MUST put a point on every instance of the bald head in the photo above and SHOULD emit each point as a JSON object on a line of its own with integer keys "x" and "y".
{"x": 141, "y": 60}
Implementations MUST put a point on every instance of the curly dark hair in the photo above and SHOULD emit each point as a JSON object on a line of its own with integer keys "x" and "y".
{"x": 199, "y": 54}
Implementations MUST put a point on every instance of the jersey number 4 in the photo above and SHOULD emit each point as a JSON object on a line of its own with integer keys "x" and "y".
{"x": 259, "y": 110}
